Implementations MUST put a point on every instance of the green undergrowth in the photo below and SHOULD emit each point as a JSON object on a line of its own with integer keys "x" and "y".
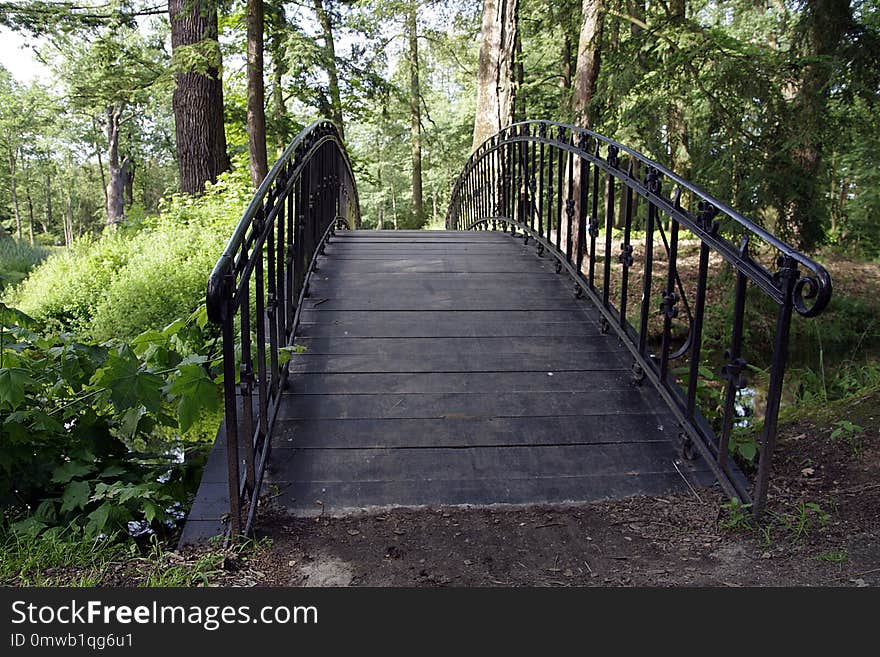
{"x": 139, "y": 276}
{"x": 63, "y": 558}
{"x": 17, "y": 259}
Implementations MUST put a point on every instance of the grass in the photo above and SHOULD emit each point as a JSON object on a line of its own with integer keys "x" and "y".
{"x": 17, "y": 259}
{"x": 64, "y": 558}
{"x": 58, "y": 558}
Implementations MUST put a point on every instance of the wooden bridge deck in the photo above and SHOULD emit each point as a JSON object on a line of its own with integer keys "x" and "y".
{"x": 450, "y": 368}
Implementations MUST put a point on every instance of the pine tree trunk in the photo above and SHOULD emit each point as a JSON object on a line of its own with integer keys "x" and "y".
{"x": 198, "y": 96}
{"x": 335, "y": 110}
{"x": 496, "y": 75}
{"x": 49, "y": 219}
{"x": 415, "y": 116}
{"x": 256, "y": 95}
{"x": 277, "y": 28}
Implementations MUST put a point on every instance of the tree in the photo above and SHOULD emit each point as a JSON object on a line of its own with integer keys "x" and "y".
{"x": 496, "y": 74}
{"x": 198, "y": 94}
{"x": 588, "y": 60}
{"x": 415, "y": 112}
{"x": 256, "y": 96}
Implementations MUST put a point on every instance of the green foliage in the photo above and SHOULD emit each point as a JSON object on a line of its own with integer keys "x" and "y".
{"x": 79, "y": 428}
{"x": 738, "y": 518}
{"x": 17, "y": 258}
{"x": 142, "y": 276}
{"x": 849, "y": 433}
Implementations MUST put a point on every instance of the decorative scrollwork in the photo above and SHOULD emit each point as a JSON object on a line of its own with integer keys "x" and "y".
{"x": 613, "y": 152}
{"x": 569, "y": 208}
{"x": 626, "y": 258}
{"x": 706, "y": 217}
{"x": 593, "y": 227}
{"x": 542, "y": 130}
{"x": 668, "y": 307}
{"x": 734, "y": 371}
{"x": 652, "y": 180}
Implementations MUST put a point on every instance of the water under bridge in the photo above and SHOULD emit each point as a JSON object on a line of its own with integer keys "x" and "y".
{"x": 547, "y": 347}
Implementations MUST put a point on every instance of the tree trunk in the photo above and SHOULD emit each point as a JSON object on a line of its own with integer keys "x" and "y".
{"x": 417, "y": 211}
{"x": 276, "y": 49}
{"x": 13, "y": 170}
{"x": 128, "y": 181}
{"x": 565, "y": 77}
{"x": 676, "y": 124}
{"x": 115, "y": 194}
{"x": 335, "y": 110}
{"x": 256, "y": 95}
{"x": 588, "y": 60}
{"x": 198, "y": 96}
{"x": 30, "y": 204}
{"x": 49, "y": 219}
{"x": 496, "y": 82}
{"x": 68, "y": 221}
{"x": 585, "y": 76}
{"x": 825, "y": 23}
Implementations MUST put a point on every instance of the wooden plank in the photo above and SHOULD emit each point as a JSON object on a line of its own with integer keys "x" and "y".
{"x": 375, "y": 264}
{"x": 467, "y": 405}
{"x": 594, "y": 427}
{"x": 505, "y": 299}
{"x": 502, "y": 382}
{"x": 466, "y": 346}
{"x": 451, "y": 362}
{"x": 339, "y": 498}
{"x": 468, "y": 463}
{"x": 472, "y": 318}
{"x": 583, "y": 329}
{"x": 463, "y": 284}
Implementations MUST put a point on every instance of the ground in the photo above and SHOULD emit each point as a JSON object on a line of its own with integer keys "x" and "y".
{"x": 823, "y": 528}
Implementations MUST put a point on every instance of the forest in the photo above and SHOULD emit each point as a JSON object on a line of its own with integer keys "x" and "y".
{"x": 124, "y": 169}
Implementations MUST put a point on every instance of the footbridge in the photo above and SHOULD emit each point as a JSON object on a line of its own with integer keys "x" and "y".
{"x": 578, "y": 332}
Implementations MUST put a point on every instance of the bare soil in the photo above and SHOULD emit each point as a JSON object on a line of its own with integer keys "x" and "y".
{"x": 823, "y": 528}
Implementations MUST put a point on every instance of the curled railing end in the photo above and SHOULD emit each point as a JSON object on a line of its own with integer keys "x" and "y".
{"x": 218, "y": 291}
{"x": 816, "y": 288}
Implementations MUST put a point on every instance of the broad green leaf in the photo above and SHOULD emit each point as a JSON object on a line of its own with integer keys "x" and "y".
{"x": 130, "y": 386}
{"x": 76, "y": 496}
{"x": 197, "y": 392}
{"x": 128, "y": 421}
{"x": 12, "y": 384}
{"x": 97, "y": 520}
{"x": 71, "y": 470}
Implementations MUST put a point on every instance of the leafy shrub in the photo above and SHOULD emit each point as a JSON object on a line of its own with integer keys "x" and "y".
{"x": 79, "y": 423}
{"x": 17, "y": 258}
{"x": 139, "y": 277}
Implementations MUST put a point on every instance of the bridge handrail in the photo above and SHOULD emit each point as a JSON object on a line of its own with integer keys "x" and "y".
{"x": 255, "y": 294}
{"x": 503, "y": 182}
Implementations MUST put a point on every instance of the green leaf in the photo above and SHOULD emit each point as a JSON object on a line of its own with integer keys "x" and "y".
{"x": 128, "y": 421}
{"x": 130, "y": 386}
{"x": 151, "y": 511}
{"x": 76, "y": 496}
{"x": 98, "y": 520}
{"x": 12, "y": 383}
{"x": 14, "y": 317}
{"x": 30, "y": 526}
{"x": 147, "y": 339}
{"x": 197, "y": 392}
{"x": 71, "y": 470}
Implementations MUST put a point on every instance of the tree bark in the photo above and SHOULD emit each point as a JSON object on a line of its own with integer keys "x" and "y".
{"x": 115, "y": 189}
{"x": 676, "y": 123}
{"x": 13, "y": 170}
{"x": 277, "y": 29}
{"x": 49, "y": 219}
{"x": 198, "y": 96}
{"x": 417, "y": 211}
{"x": 496, "y": 76}
{"x": 588, "y": 60}
{"x": 256, "y": 94}
{"x": 335, "y": 108}
{"x": 30, "y": 204}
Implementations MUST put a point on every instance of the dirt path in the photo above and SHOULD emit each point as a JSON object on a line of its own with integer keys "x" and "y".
{"x": 823, "y": 529}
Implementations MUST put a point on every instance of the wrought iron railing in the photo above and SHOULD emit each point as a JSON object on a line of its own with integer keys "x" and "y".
{"x": 255, "y": 294}
{"x": 600, "y": 218}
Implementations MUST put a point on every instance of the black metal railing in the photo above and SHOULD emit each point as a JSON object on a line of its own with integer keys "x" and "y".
{"x": 255, "y": 294}
{"x": 601, "y": 217}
